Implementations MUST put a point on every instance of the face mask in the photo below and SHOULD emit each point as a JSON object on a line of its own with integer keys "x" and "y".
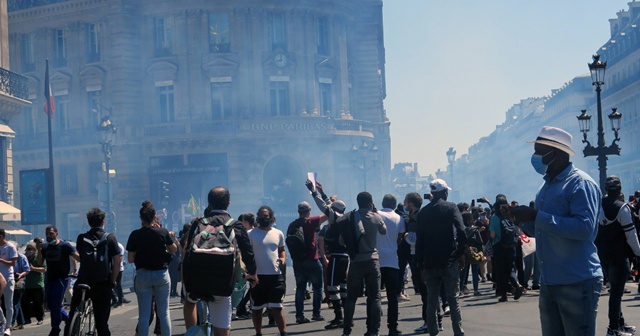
{"x": 264, "y": 222}
{"x": 406, "y": 211}
{"x": 50, "y": 240}
{"x": 536, "y": 162}
{"x": 482, "y": 218}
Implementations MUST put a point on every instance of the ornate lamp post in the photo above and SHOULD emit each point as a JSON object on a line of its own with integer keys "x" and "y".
{"x": 364, "y": 157}
{"x": 451, "y": 157}
{"x": 597, "y": 69}
{"x": 108, "y": 130}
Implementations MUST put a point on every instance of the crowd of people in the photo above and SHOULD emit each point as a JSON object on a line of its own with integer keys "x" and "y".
{"x": 568, "y": 244}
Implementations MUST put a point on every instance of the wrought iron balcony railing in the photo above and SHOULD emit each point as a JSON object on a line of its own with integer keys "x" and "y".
{"x": 14, "y": 84}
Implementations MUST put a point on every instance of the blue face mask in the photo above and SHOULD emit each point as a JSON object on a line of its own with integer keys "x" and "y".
{"x": 538, "y": 165}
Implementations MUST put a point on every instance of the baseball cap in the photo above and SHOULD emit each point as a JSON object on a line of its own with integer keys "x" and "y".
{"x": 304, "y": 206}
{"x": 338, "y": 206}
{"x": 438, "y": 185}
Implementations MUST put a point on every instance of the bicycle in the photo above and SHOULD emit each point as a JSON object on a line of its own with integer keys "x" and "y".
{"x": 83, "y": 322}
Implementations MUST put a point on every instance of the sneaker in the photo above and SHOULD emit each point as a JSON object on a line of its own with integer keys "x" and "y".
{"x": 334, "y": 324}
{"x": 302, "y": 319}
{"x": 317, "y": 317}
{"x": 535, "y": 287}
{"x": 40, "y": 322}
{"x": 447, "y": 311}
{"x": 628, "y": 329}
{"x": 403, "y": 297}
{"x": 518, "y": 293}
{"x": 395, "y": 332}
{"x": 422, "y": 330}
{"x": 126, "y": 301}
{"x": 611, "y": 332}
{"x": 476, "y": 293}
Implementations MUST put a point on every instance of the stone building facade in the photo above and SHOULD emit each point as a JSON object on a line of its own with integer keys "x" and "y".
{"x": 248, "y": 94}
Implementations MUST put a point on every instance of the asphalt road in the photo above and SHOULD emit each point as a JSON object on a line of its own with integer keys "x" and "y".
{"x": 482, "y": 315}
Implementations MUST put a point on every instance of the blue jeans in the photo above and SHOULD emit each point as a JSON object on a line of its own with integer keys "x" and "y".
{"x": 531, "y": 266}
{"x": 436, "y": 279}
{"x": 55, "y": 292}
{"x": 369, "y": 270}
{"x": 569, "y": 309}
{"x": 616, "y": 271}
{"x": 308, "y": 271}
{"x": 149, "y": 284}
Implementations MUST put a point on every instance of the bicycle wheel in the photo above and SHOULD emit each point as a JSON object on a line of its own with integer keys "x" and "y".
{"x": 76, "y": 324}
{"x": 89, "y": 321}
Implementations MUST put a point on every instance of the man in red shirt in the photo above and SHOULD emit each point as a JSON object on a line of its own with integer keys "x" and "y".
{"x": 309, "y": 268}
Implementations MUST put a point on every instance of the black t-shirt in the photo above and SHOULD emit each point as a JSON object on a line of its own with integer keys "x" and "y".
{"x": 150, "y": 246}
{"x": 57, "y": 257}
{"x": 96, "y": 233}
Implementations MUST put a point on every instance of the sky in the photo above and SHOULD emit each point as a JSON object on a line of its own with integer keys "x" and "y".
{"x": 453, "y": 68}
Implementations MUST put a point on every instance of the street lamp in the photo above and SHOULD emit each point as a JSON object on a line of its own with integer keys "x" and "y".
{"x": 451, "y": 157}
{"x": 108, "y": 130}
{"x": 364, "y": 157}
{"x": 597, "y": 69}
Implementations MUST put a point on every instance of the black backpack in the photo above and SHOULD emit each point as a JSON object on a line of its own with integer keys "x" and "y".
{"x": 295, "y": 240}
{"x": 94, "y": 259}
{"x": 508, "y": 234}
{"x": 211, "y": 259}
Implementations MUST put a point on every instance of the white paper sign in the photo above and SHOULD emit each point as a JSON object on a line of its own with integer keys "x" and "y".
{"x": 312, "y": 177}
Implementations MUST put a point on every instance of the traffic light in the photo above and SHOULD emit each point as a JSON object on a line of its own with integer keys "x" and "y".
{"x": 164, "y": 193}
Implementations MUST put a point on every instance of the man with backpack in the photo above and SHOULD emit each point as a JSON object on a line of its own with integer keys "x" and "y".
{"x": 100, "y": 265}
{"x": 359, "y": 230}
{"x": 306, "y": 266}
{"x": 617, "y": 241}
{"x": 211, "y": 262}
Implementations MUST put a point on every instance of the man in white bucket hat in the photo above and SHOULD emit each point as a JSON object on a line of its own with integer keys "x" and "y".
{"x": 565, "y": 222}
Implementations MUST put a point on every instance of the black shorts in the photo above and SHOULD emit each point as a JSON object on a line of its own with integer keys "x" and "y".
{"x": 269, "y": 292}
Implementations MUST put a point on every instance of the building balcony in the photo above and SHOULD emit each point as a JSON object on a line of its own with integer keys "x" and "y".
{"x": 13, "y": 94}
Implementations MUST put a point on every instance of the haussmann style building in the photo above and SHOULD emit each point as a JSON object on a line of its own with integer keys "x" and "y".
{"x": 165, "y": 99}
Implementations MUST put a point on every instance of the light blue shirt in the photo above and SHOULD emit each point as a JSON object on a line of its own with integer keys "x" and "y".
{"x": 566, "y": 227}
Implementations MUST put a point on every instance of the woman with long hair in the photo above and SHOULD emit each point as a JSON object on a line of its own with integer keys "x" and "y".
{"x": 150, "y": 248}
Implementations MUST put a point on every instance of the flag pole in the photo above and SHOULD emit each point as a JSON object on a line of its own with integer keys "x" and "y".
{"x": 52, "y": 193}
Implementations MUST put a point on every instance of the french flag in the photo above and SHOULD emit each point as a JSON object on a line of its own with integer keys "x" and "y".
{"x": 48, "y": 95}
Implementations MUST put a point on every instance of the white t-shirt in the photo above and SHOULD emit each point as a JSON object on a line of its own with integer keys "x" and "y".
{"x": 388, "y": 243}
{"x": 121, "y": 250}
{"x": 7, "y": 252}
{"x": 265, "y": 249}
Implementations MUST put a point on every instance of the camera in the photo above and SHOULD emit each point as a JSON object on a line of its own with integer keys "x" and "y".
{"x": 479, "y": 200}
{"x": 427, "y": 196}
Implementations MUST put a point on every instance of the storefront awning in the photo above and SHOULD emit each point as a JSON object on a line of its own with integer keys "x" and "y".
{"x": 10, "y": 229}
{"x": 9, "y": 213}
{"x": 6, "y": 131}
